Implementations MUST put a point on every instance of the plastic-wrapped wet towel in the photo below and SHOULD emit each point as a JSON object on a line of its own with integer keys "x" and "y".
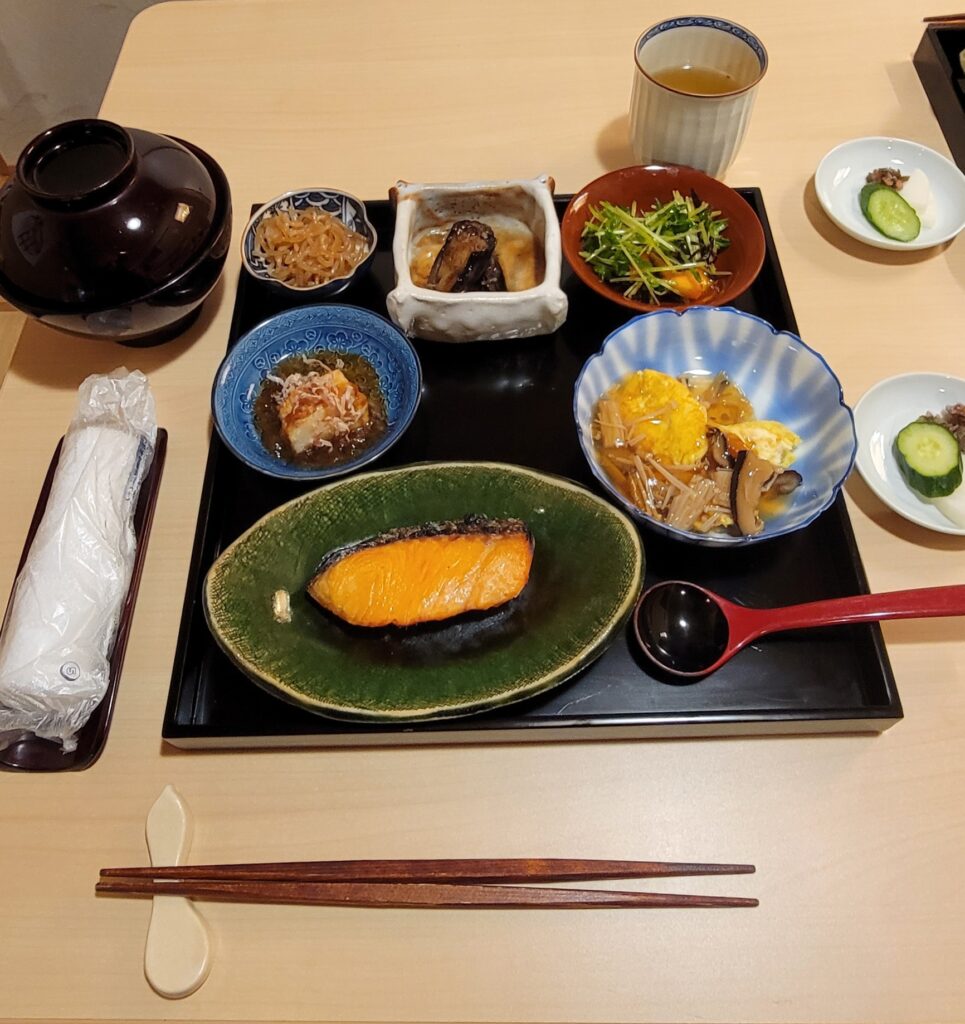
{"x": 68, "y": 597}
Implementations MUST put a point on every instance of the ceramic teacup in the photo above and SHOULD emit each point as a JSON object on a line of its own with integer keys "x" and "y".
{"x": 693, "y": 89}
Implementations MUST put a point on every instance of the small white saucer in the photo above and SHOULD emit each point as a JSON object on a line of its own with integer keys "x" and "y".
{"x": 841, "y": 175}
{"x": 878, "y": 416}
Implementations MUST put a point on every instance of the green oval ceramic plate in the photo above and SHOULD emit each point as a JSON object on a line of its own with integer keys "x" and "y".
{"x": 586, "y": 575}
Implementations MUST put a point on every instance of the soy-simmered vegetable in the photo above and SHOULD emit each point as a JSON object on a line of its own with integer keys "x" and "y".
{"x": 467, "y": 261}
{"x": 308, "y": 247}
{"x": 668, "y": 252}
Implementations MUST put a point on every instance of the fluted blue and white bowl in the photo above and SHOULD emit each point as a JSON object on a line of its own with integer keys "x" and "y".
{"x": 303, "y": 331}
{"x": 783, "y": 378}
{"x": 346, "y": 207}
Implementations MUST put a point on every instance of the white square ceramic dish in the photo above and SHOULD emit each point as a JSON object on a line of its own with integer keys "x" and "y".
{"x": 476, "y": 316}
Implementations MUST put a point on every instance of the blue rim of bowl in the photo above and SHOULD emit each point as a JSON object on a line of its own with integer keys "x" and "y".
{"x": 295, "y": 289}
{"x": 327, "y": 472}
{"x": 718, "y": 540}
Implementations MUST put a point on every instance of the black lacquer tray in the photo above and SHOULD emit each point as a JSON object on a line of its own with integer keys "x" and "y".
{"x": 512, "y": 402}
{"x": 943, "y": 79}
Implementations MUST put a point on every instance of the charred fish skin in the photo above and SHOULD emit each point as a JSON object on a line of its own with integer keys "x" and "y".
{"x": 463, "y": 258}
{"x": 469, "y": 524}
{"x": 426, "y": 573}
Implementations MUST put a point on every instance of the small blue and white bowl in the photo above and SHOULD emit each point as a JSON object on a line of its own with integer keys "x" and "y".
{"x": 349, "y": 210}
{"x": 783, "y": 379}
{"x": 303, "y": 331}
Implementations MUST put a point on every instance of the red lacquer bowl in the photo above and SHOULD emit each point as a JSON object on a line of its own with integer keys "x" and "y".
{"x": 657, "y": 182}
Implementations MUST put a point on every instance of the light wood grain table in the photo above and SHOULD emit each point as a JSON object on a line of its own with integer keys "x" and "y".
{"x": 859, "y": 841}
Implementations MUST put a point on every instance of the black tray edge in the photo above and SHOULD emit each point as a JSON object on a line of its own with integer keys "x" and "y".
{"x": 938, "y": 79}
{"x": 755, "y": 197}
{"x": 881, "y": 652}
{"x": 708, "y": 727}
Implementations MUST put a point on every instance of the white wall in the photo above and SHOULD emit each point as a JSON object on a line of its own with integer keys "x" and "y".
{"x": 56, "y": 58}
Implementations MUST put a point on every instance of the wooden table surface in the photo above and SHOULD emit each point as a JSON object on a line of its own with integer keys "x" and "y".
{"x": 858, "y": 840}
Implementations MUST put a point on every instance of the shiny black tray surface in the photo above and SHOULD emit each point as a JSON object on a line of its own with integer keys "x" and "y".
{"x": 512, "y": 402}
{"x": 942, "y": 77}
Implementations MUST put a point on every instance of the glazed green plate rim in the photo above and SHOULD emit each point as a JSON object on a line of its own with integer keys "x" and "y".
{"x": 589, "y": 653}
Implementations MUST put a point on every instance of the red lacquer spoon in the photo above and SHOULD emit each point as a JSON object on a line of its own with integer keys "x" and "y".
{"x": 689, "y": 631}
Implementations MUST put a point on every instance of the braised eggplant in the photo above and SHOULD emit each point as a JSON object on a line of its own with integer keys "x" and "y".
{"x": 466, "y": 259}
{"x": 492, "y": 279}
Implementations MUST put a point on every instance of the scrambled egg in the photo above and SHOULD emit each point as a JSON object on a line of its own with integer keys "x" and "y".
{"x": 768, "y": 439}
{"x": 663, "y": 416}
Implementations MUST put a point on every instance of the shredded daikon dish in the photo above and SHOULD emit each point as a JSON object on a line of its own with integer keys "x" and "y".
{"x": 307, "y": 248}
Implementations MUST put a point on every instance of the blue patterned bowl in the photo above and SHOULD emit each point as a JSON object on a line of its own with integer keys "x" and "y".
{"x": 783, "y": 379}
{"x": 301, "y": 331}
{"x": 349, "y": 210}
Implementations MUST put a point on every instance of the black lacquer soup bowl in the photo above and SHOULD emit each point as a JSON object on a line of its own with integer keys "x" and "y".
{"x": 113, "y": 232}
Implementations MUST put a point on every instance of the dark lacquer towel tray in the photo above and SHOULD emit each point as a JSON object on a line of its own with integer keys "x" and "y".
{"x": 39, "y": 755}
{"x": 832, "y": 680}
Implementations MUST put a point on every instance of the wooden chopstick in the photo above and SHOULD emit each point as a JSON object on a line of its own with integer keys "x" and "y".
{"x": 951, "y": 19}
{"x": 465, "y": 870}
{"x": 408, "y": 894}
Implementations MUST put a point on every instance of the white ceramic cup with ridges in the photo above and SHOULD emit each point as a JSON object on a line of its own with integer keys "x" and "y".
{"x": 669, "y": 125}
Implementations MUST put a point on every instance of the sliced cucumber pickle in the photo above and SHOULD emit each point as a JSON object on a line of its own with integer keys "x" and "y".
{"x": 929, "y": 458}
{"x": 889, "y": 213}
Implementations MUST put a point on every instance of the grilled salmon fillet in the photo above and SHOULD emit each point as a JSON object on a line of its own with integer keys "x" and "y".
{"x": 425, "y": 573}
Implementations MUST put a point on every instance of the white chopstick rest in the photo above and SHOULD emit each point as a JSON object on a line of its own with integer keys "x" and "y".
{"x": 177, "y": 954}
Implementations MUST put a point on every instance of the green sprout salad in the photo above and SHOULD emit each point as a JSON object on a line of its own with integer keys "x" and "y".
{"x": 667, "y": 251}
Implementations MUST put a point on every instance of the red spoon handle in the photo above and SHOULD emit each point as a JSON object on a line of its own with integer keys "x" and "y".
{"x": 923, "y": 603}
